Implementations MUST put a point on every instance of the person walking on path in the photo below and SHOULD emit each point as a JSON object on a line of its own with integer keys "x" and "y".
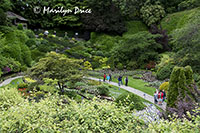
{"x": 120, "y": 80}
{"x": 164, "y": 95}
{"x": 104, "y": 77}
{"x": 126, "y": 81}
{"x": 155, "y": 97}
{"x": 160, "y": 98}
{"x": 108, "y": 78}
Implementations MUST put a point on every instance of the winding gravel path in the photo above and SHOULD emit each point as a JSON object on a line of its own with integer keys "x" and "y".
{"x": 7, "y": 81}
{"x": 132, "y": 90}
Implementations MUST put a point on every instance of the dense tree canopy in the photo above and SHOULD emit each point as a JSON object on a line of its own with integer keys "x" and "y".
{"x": 59, "y": 67}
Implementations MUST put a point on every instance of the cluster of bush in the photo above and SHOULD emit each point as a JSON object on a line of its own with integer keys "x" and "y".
{"x": 60, "y": 114}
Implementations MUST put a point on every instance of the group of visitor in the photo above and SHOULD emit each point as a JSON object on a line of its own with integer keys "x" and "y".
{"x": 120, "y": 81}
{"x": 108, "y": 77}
{"x": 159, "y": 97}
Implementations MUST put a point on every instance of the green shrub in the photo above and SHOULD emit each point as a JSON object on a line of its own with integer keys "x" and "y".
{"x": 132, "y": 65}
{"x": 131, "y": 101}
{"x": 9, "y": 97}
{"x": 47, "y": 88}
{"x": 120, "y": 66}
{"x": 80, "y": 84}
{"x": 31, "y": 42}
{"x": 103, "y": 90}
{"x": 20, "y": 27}
{"x": 164, "y": 86}
{"x": 22, "y": 85}
{"x": 71, "y": 94}
{"x": 30, "y": 33}
{"x": 164, "y": 72}
{"x": 32, "y": 86}
{"x": 188, "y": 4}
{"x": 180, "y": 79}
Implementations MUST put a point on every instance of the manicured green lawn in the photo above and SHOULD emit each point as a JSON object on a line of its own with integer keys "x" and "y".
{"x": 139, "y": 85}
{"x": 14, "y": 83}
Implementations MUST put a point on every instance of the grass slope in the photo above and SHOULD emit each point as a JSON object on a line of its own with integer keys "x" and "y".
{"x": 178, "y": 20}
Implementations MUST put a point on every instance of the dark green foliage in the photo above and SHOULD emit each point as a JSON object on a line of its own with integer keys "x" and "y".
{"x": 30, "y": 33}
{"x": 173, "y": 87}
{"x": 132, "y": 65}
{"x": 103, "y": 90}
{"x": 130, "y": 100}
{"x": 36, "y": 54}
{"x": 5, "y": 5}
{"x": 71, "y": 94}
{"x": 105, "y": 17}
{"x": 188, "y": 4}
{"x": 171, "y": 5}
{"x": 164, "y": 72}
{"x": 120, "y": 66}
{"x": 31, "y": 43}
{"x": 2, "y": 17}
{"x": 140, "y": 47}
{"x": 186, "y": 44}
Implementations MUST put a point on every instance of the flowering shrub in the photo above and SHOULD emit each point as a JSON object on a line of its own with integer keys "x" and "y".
{"x": 7, "y": 69}
{"x": 164, "y": 86}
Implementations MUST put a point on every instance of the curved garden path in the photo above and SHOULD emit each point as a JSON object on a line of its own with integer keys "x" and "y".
{"x": 132, "y": 90}
{"x": 7, "y": 81}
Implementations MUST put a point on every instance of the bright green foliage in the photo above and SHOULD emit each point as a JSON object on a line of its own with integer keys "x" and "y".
{"x": 60, "y": 114}
{"x": 130, "y": 101}
{"x": 9, "y": 97}
{"x": 152, "y": 13}
{"x": 20, "y": 27}
{"x": 176, "y": 125}
{"x": 22, "y": 85}
{"x": 53, "y": 115}
{"x": 14, "y": 47}
{"x": 87, "y": 65}
{"x": 134, "y": 27}
{"x": 59, "y": 67}
{"x": 180, "y": 79}
{"x": 164, "y": 86}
